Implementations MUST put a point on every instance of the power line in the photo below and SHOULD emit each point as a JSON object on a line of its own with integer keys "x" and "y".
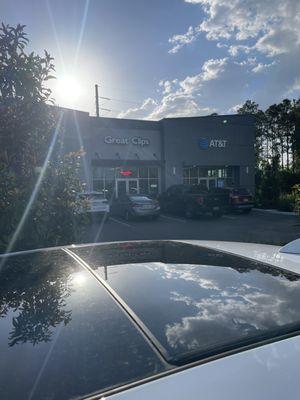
{"x": 97, "y": 98}
{"x": 120, "y": 100}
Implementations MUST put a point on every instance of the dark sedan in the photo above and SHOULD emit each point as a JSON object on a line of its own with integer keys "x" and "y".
{"x": 136, "y": 206}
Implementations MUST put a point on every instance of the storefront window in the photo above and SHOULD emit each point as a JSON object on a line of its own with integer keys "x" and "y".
{"x": 186, "y": 173}
{"x": 98, "y": 185}
{"x": 97, "y": 173}
{"x": 210, "y": 176}
{"x": 222, "y": 173}
{"x": 153, "y": 172}
{"x": 212, "y": 173}
{"x": 143, "y": 172}
{"x": 153, "y": 186}
{"x": 109, "y": 188}
{"x": 144, "y": 186}
{"x": 104, "y": 179}
{"x": 194, "y": 172}
{"x": 109, "y": 173}
{"x": 194, "y": 181}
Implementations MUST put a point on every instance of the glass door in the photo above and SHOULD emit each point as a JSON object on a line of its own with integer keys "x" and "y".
{"x": 202, "y": 182}
{"x": 121, "y": 187}
{"x": 126, "y": 186}
{"x": 211, "y": 183}
{"x": 132, "y": 186}
{"x": 207, "y": 183}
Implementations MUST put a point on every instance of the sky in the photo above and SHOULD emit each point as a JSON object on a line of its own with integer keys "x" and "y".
{"x": 165, "y": 58}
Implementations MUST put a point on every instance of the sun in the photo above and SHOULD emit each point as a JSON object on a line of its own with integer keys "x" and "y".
{"x": 68, "y": 89}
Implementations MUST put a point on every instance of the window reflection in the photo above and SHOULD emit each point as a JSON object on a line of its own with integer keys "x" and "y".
{"x": 35, "y": 298}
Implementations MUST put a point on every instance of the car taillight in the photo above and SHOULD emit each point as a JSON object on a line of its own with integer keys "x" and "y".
{"x": 235, "y": 199}
{"x": 135, "y": 205}
{"x": 200, "y": 200}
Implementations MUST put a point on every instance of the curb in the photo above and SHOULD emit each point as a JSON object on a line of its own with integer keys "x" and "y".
{"x": 272, "y": 211}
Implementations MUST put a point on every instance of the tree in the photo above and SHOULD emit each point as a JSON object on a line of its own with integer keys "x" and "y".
{"x": 250, "y": 107}
{"x": 270, "y": 185}
{"x": 38, "y": 183}
{"x": 277, "y": 149}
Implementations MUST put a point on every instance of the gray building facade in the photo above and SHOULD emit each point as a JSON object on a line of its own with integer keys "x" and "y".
{"x": 137, "y": 156}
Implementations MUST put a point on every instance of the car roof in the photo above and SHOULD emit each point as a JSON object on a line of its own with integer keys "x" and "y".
{"x": 90, "y": 192}
{"x": 166, "y": 305}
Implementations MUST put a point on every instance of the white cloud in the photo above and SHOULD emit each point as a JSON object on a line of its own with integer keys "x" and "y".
{"x": 279, "y": 41}
{"x": 146, "y": 108}
{"x": 193, "y": 95}
{"x": 178, "y": 41}
{"x": 274, "y": 24}
{"x": 260, "y": 36}
{"x": 234, "y": 50}
{"x": 268, "y": 29}
{"x": 213, "y": 68}
{"x": 247, "y": 62}
{"x": 260, "y": 67}
{"x": 234, "y": 109}
{"x": 177, "y": 104}
{"x": 167, "y": 86}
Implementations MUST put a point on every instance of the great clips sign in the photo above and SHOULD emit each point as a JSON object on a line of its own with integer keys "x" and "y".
{"x": 136, "y": 140}
{"x": 206, "y": 143}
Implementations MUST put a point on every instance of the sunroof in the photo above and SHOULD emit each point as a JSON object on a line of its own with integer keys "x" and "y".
{"x": 62, "y": 336}
{"x": 207, "y": 305}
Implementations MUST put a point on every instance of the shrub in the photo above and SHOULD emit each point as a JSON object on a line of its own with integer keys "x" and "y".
{"x": 286, "y": 202}
{"x": 296, "y": 194}
{"x": 38, "y": 183}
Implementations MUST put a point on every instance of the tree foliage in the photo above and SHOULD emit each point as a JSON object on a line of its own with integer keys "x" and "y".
{"x": 28, "y": 126}
{"x": 277, "y": 148}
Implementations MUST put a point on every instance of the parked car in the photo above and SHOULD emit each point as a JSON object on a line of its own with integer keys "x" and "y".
{"x": 193, "y": 200}
{"x": 92, "y": 203}
{"x": 240, "y": 200}
{"x": 137, "y": 205}
{"x": 151, "y": 320}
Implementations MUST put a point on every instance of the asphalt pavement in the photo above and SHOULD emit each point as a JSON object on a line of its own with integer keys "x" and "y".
{"x": 256, "y": 227}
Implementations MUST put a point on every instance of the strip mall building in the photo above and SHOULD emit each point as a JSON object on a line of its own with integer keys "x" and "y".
{"x": 137, "y": 156}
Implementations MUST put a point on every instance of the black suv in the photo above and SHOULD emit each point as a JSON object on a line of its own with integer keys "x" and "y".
{"x": 193, "y": 200}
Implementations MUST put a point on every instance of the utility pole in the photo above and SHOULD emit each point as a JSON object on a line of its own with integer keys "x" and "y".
{"x": 97, "y": 97}
{"x": 97, "y": 101}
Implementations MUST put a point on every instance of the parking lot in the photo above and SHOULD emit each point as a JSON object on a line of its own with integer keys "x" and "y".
{"x": 258, "y": 226}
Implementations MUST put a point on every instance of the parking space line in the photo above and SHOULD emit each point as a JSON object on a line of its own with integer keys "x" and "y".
{"x": 120, "y": 222}
{"x": 173, "y": 218}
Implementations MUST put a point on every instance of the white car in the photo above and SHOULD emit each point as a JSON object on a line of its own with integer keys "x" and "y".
{"x": 92, "y": 202}
{"x": 151, "y": 320}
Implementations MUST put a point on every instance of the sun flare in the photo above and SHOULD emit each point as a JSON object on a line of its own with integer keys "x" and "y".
{"x": 68, "y": 89}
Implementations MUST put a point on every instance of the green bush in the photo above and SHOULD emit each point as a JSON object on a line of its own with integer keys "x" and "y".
{"x": 286, "y": 202}
{"x": 296, "y": 194}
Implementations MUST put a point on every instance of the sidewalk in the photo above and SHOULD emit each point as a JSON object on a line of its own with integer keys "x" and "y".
{"x": 273, "y": 211}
